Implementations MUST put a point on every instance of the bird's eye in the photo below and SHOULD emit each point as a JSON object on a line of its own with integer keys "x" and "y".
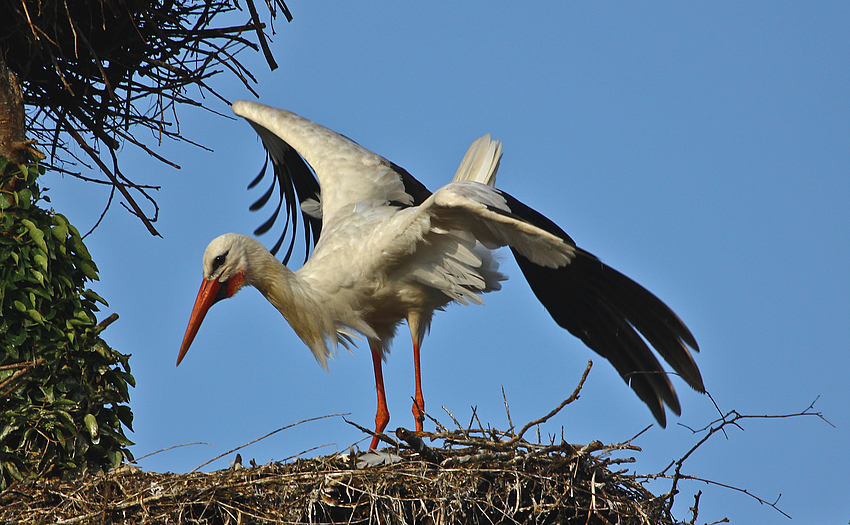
{"x": 218, "y": 261}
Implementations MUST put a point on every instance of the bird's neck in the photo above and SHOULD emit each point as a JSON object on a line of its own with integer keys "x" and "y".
{"x": 301, "y": 305}
{"x": 282, "y": 287}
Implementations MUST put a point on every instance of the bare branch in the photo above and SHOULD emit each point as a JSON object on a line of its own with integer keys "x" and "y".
{"x": 273, "y": 432}
{"x": 102, "y": 71}
{"x": 717, "y": 426}
{"x": 557, "y": 409}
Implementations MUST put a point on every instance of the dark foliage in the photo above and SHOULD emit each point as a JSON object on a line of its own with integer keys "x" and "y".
{"x": 63, "y": 391}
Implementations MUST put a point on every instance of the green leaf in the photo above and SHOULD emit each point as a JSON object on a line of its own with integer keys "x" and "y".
{"x": 125, "y": 415}
{"x": 41, "y": 259}
{"x": 129, "y": 379}
{"x": 12, "y": 470}
{"x": 60, "y": 230}
{"x": 116, "y": 457}
{"x": 84, "y": 316}
{"x": 35, "y": 233}
{"x": 65, "y": 418}
{"x": 39, "y": 291}
{"x": 28, "y": 224}
{"x": 91, "y": 425}
{"x": 117, "y": 436}
{"x": 67, "y": 282}
{"x": 90, "y": 294}
{"x": 78, "y": 244}
{"x": 48, "y": 393}
{"x": 89, "y": 269}
{"x": 38, "y": 236}
{"x": 8, "y": 429}
{"x": 18, "y": 340}
{"x": 24, "y": 198}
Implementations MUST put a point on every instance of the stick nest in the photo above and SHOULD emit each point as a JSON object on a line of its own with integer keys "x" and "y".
{"x": 484, "y": 480}
{"x": 100, "y": 71}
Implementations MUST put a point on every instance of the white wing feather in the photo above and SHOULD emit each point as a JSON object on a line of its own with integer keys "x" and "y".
{"x": 347, "y": 172}
{"x": 445, "y": 242}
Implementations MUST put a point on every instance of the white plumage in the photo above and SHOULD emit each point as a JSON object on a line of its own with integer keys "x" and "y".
{"x": 389, "y": 250}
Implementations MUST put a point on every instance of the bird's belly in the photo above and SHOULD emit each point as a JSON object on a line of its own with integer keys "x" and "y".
{"x": 390, "y": 304}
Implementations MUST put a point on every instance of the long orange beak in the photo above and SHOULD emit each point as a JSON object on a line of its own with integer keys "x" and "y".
{"x": 206, "y": 297}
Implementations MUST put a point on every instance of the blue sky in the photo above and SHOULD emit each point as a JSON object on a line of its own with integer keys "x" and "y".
{"x": 701, "y": 149}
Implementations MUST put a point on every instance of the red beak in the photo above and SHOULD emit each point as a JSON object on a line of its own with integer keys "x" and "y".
{"x": 206, "y": 297}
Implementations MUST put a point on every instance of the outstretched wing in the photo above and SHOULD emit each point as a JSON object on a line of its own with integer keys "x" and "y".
{"x": 441, "y": 243}
{"x": 613, "y": 315}
{"x": 610, "y": 313}
{"x": 345, "y": 172}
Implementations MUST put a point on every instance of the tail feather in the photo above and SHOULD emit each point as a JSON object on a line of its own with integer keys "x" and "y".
{"x": 481, "y": 161}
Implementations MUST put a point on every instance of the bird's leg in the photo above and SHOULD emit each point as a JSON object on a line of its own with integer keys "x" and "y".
{"x": 382, "y": 417}
{"x": 418, "y": 401}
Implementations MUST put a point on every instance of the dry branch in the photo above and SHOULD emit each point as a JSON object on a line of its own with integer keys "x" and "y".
{"x": 560, "y": 486}
{"x": 473, "y": 477}
{"x": 731, "y": 418}
{"x": 101, "y": 71}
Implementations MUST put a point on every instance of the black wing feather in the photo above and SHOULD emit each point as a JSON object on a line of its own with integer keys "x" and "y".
{"x": 269, "y": 192}
{"x": 296, "y": 184}
{"x": 609, "y": 312}
{"x": 259, "y": 177}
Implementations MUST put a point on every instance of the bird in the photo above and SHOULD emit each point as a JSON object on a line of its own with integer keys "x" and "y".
{"x": 385, "y": 250}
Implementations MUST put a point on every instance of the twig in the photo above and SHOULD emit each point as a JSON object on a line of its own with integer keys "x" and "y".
{"x": 108, "y": 321}
{"x": 773, "y": 504}
{"x": 419, "y": 446}
{"x": 170, "y": 448}
{"x": 730, "y": 418}
{"x": 260, "y": 35}
{"x": 311, "y": 449}
{"x": 640, "y": 433}
{"x": 507, "y": 410}
{"x": 437, "y": 424}
{"x": 264, "y": 437}
{"x": 103, "y": 213}
{"x": 27, "y": 368}
{"x": 24, "y": 364}
{"x": 121, "y": 187}
{"x": 557, "y": 409}
{"x": 695, "y": 508}
{"x": 457, "y": 424}
{"x": 383, "y": 437}
{"x": 96, "y": 70}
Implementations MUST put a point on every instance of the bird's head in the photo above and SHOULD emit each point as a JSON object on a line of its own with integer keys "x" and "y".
{"x": 225, "y": 267}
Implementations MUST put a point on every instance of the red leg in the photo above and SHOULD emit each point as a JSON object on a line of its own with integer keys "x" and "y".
{"x": 418, "y": 401}
{"x": 382, "y": 417}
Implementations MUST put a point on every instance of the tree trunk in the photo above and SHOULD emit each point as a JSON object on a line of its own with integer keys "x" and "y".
{"x": 12, "y": 136}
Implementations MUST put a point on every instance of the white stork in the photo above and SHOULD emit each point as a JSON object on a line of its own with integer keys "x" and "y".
{"x": 388, "y": 250}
